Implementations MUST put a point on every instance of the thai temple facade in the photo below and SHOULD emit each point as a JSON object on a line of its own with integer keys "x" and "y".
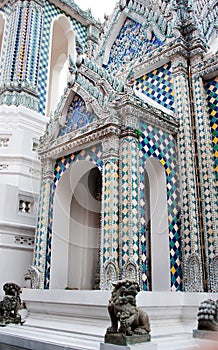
{"x": 109, "y": 144}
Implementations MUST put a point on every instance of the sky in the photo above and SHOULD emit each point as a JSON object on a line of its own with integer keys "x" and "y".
{"x": 98, "y": 7}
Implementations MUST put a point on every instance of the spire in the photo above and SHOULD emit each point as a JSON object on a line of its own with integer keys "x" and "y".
{"x": 186, "y": 20}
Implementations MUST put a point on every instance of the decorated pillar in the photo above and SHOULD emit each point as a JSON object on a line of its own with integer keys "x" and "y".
{"x": 42, "y": 232}
{"x": 207, "y": 178}
{"x": 191, "y": 247}
{"x": 129, "y": 195}
{"x": 110, "y": 213}
{"x": 20, "y": 56}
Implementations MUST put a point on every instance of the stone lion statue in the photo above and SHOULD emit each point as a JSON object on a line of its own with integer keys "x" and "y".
{"x": 125, "y": 317}
{"x": 10, "y": 305}
{"x": 208, "y": 315}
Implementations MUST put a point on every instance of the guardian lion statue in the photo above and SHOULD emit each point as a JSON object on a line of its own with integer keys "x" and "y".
{"x": 126, "y": 318}
{"x": 208, "y": 315}
{"x": 10, "y": 305}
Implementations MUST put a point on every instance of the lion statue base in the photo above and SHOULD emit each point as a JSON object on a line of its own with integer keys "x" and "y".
{"x": 129, "y": 324}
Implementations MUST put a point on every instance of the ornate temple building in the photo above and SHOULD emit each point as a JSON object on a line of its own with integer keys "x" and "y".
{"x": 124, "y": 117}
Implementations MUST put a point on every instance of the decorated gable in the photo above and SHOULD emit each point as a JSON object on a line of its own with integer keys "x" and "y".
{"x": 133, "y": 40}
{"x": 77, "y": 116}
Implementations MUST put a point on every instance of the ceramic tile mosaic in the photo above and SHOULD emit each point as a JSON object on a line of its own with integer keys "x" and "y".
{"x": 5, "y": 11}
{"x": 77, "y": 116}
{"x": 41, "y": 234}
{"x": 155, "y": 143}
{"x": 158, "y": 85}
{"x": 33, "y": 50}
{"x": 132, "y": 40}
{"x": 212, "y": 98}
{"x": 210, "y": 179}
{"x": 21, "y": 65}
{"x": 94, "y": 155}
{"x": 111, "y": 211}
{"x": 129, "y": 201}
{"x": 50, "y": 12}
{"x": 190, "y": 227}
{"x": 12, "y": 45}
{"x": 162, "y": 146}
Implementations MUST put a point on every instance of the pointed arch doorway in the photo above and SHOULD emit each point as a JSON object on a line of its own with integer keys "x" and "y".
{"x": 75, "y": 233}
{"x": 62, "y": 46}
{"x": 157, "y": 232}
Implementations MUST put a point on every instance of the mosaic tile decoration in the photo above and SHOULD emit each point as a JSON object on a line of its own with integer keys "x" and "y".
{"x": 212, "y": 98}
{"x": 6, "y": 10}
{"x": 12, "y": 40}
{"x": 162, "y": 145}
{"x": 94, "y": 155}
{"x": 50, "y": 12}
{"x": 205, "y": 155}
{"x": 77, "y": 116}
{"x": 111, "y": 211}
{"x": 133, "y": 40}
{"x": 22, "y": 57}
{"x": 34, "y": 39}
{"x": 190, "y": 229}
{"x": 129, "y": 202}
{"x": 4, "y": 54}
{"x": 158, "y": 85}
{"x": 41, "y": 234}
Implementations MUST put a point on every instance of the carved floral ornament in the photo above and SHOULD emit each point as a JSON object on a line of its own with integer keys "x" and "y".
{"x": 206, "y": 67}
{"x": 111, "y": 143}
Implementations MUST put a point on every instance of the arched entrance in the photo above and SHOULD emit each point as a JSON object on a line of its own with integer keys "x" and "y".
{"x": 75, "y": 233}
{"x": 157, "y": 232}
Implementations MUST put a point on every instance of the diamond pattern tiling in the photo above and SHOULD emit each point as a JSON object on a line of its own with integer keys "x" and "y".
{"x": 111, "y": 216}
{"x": 162, "y": 145}
{"x": 129, "y": 206}
{"x": 165, "y": 152}
{"x": 212, "y": 98}
{"x": 158, "y": 85}
{"x": 211, "y": 88}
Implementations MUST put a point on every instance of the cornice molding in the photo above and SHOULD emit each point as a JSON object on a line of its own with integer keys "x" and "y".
{"x": 70, "y": 142}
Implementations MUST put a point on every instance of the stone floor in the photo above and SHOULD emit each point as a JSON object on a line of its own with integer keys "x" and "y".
{"x": 24, "y": 337}
{"x": 78, "y": 320}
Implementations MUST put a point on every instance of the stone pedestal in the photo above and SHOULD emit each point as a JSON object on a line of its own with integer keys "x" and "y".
{"x": 121, "y": 339}
{"x": 139, "y": 346}
{"x": 202, "y": 334}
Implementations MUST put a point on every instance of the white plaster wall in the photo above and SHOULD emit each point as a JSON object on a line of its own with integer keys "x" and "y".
{"x": 60, "y": 233}
{"x": 14, "y": 263}
{"x": 160, "y": 257}
{"x": 73, "y": 241}
{"x": 84, "y": 235}
{"x": 19, "y": 176}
